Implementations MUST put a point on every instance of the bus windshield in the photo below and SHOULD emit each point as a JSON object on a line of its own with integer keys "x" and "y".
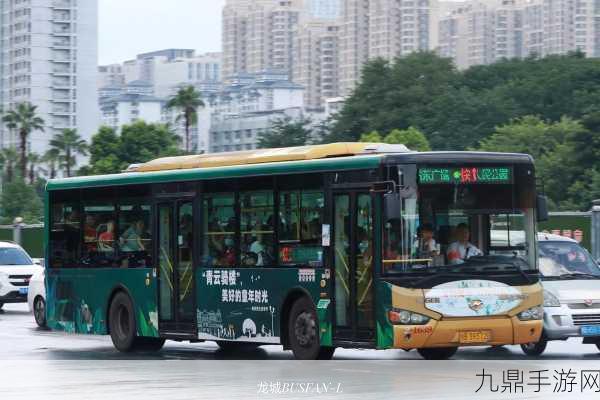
{"x": 456, "y": 218}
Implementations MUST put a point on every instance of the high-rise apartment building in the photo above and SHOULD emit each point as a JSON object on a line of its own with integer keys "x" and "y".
{"x": 316, "y": 61}
{"x": 382, "y": 28}
{"x": 48, "y": 57}
{"x": 258, "y": 35}
{"x": 482, "y": 32}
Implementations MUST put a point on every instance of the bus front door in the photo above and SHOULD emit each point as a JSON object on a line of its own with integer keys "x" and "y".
{"x": 353, "y": 266}
{"x": 176, "y": 287}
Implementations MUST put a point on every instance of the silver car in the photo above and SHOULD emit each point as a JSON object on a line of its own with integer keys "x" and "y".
{"x": 571, "y": 280}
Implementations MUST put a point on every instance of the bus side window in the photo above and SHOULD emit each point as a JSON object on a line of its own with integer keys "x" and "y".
{"x": 257, "y": 229}
{"x": 65, "y": 235}
{"x": 220, "y": 228}
{"x": 300, "y": 222}
{"x": 135, "y": 235}
{"x": 99, "y": 231}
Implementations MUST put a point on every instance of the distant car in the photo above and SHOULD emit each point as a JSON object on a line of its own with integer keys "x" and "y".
{"x": 16, "y": 270}
{"x": 571, "y": 280}
{"x": 37, "y": 297}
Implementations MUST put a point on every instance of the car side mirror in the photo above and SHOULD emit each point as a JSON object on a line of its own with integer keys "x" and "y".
{"x": 542, "y": 208}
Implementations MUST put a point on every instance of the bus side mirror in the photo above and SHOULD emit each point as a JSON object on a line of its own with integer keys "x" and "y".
{"x": 392, "y": 205}
{"x": 542, "y": 208}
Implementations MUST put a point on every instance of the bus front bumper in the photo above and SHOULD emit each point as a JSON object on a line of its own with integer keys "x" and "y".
{"x": 467, "y": 332}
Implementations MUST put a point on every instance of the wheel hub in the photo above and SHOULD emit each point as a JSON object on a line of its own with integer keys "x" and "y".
{"x": 305, "y": 329}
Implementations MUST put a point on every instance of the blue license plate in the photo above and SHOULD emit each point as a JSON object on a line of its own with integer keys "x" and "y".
{"x": 23, "y": 290}
{"x": 590, "y": 330}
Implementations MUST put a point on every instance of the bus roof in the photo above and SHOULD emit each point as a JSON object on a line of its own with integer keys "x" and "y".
{"x": 294, "y": 160}
{"x": 262, "y": 156}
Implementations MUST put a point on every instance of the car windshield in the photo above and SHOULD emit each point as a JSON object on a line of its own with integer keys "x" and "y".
{"x": 566, "y": 259}
{"x": 457, "y": 223}
{"x": 14, "y": 256}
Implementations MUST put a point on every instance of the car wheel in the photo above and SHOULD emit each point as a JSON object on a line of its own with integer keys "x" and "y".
{"x": 437, "y": 353}
{"x": 148, "y": 344}
{"x": 122, "y": 323}
{"x": 39, "y": 311}
{"x": 598, "y": 346}
{"x": 535, "y": 349}
{"x": 303, "y": 330}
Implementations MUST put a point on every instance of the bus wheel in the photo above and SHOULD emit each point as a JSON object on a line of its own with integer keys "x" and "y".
{"x": 535, "y": 349}
{"x": 39, "y": 311}
{"x": 149, "y": 344}
{"x": 122, "y": 323}
{"x": 326, "y": 353}
{"x": 438, "y": 353}
{"x": 303, "y": 330}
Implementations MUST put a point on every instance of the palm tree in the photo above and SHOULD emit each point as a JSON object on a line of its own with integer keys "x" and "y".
{"x": 51, "y": 159}
{"x": 69, "y": 145}
{"x": 10, "y": 158}
{"x": 25, "y": 121}
{"x": 187, "y": 100}
{"x": 33, "y": 160}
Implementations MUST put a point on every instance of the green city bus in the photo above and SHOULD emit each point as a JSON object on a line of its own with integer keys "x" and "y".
{"x": 315, "y": 247}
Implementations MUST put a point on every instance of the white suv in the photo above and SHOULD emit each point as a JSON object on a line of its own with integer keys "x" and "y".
{"x": 16, "y": 270}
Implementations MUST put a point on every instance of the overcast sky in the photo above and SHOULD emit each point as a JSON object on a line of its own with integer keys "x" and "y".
{"x": 129, "y": 27}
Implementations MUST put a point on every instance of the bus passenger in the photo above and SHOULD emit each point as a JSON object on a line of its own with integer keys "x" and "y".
{"x": 131, "y": 239}
{"x": 107, "y": 238}
{"x": 426, "y": 246}
{"x": 461, "y": 250}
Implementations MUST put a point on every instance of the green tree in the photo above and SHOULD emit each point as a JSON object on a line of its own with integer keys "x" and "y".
{"x": 24, "y": 119}
{"x": 10, "y": 159}
{"x": 69, "y": 145}
{"x": 20, "y": 200}
{"x": 51, "y": 159}
{"x": 411, "y": 138}
{"x": 34, "y": 160}
{"x": 138, "y": 143}
{"x": 568, "y": 183}
{"x": 187, "y": 101}
{"x": 286, "y": 132}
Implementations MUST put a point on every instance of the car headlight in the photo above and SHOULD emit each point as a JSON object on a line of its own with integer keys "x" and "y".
{"x": 403, "y": 317}
{"x": 550, "y": 300}
{"x": 532, "y": 314}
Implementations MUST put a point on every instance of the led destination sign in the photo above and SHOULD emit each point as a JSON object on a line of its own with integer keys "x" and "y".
{"x": 466, "y": 175}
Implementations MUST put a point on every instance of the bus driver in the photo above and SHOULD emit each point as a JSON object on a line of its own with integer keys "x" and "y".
{"x": 461, "y": 250}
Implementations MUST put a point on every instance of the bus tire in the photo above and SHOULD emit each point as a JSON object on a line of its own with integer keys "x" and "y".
{"x": 535, "y": 349}
{"x": 121, "y": 321}
{"x": 437, "y": 353}
{"x": 303, "y": 330}
{"x": 39, "y": 311}
{"x": 149, "y": 344}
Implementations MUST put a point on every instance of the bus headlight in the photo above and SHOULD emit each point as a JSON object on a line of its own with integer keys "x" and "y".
{"x": 403, "y": 317}
{"x": 550, "y": 300}
{"x": 534, "y": 313}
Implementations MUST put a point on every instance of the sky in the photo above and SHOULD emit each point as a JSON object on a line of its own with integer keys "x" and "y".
{"x": 130, "y": 27}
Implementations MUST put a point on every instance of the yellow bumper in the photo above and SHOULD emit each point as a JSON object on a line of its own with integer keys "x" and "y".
{"x": 449, "y": 332}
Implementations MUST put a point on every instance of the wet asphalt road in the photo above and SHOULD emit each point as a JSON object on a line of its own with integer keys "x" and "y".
{"x": 39, "y": 364}
{"x": 21, "y": 339}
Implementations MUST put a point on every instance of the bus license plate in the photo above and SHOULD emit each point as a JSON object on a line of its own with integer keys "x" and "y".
{"x": 475, "y": 337}
{"x": 23, "y": 290}
{"x": 590, "y": 330}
